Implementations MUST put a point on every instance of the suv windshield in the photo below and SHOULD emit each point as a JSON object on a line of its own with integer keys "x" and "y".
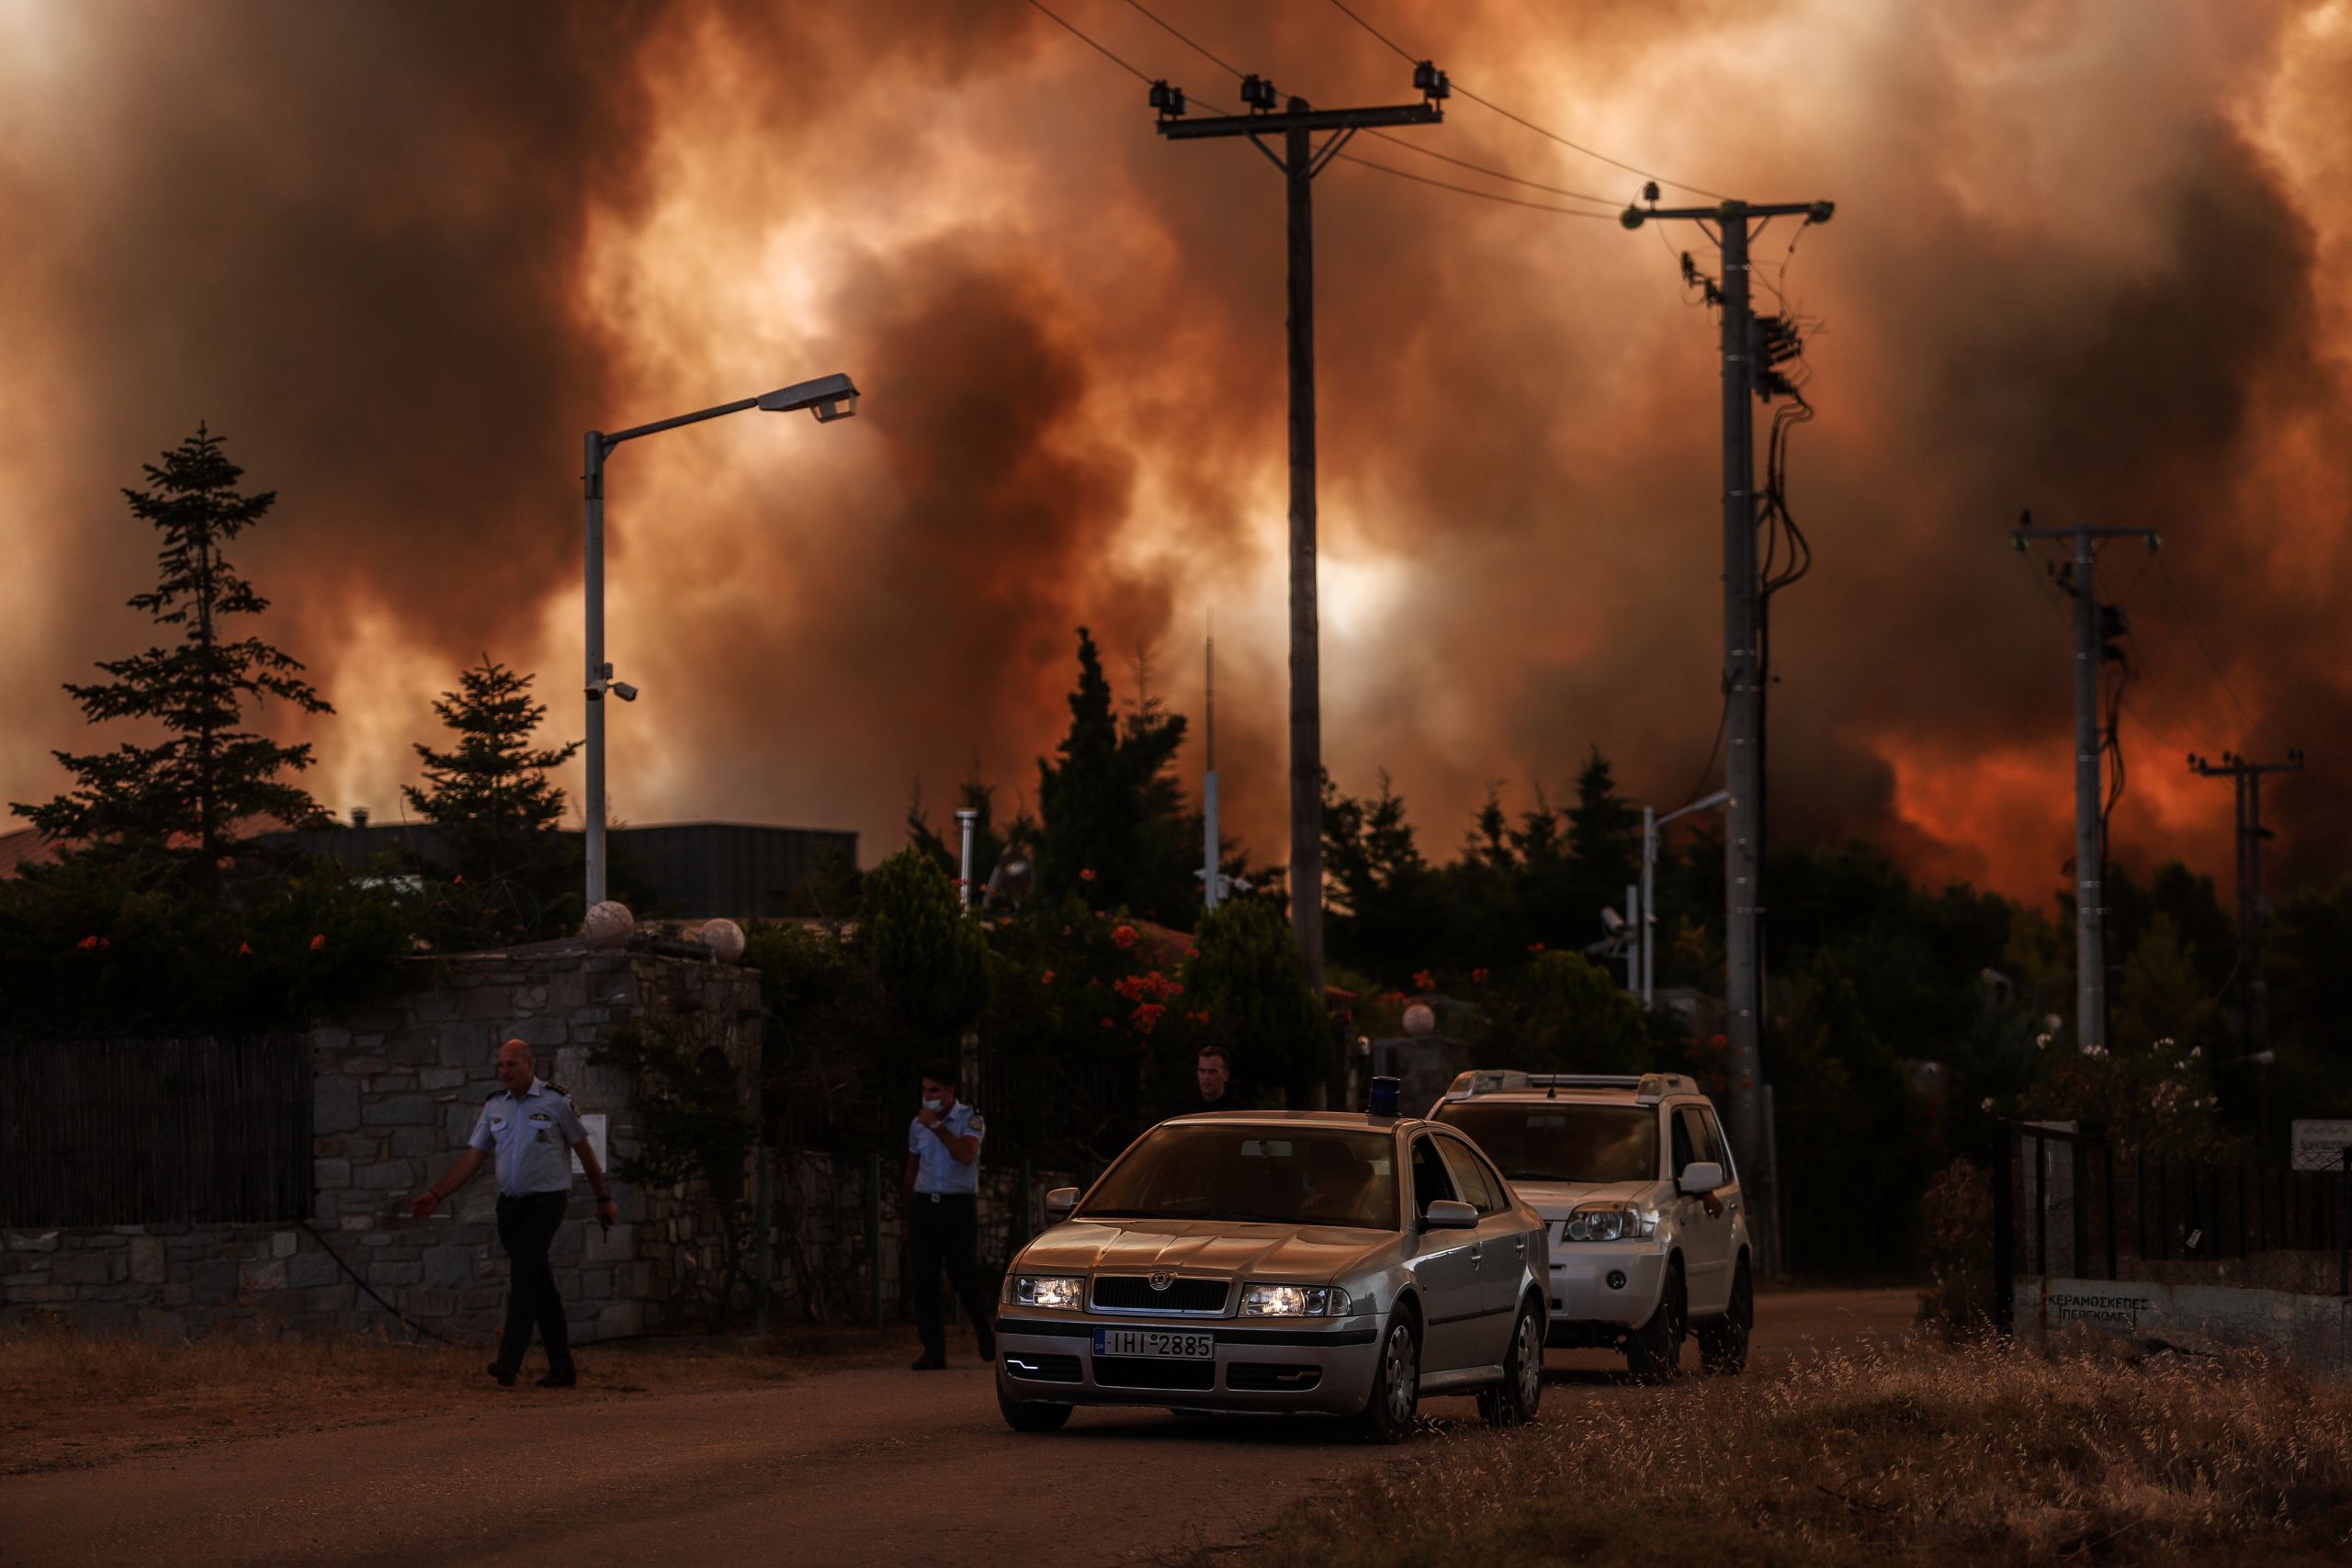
{"x": 1293, "y": 1176}
{"x": 1562, "y": 1140}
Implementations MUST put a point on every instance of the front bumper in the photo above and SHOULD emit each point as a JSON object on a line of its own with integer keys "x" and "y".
{"x": 1325, "y": 1368}
{"x": 1581, "y": 1293}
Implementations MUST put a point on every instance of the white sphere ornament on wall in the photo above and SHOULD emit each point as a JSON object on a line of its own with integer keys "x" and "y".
{"x": 609, "y": 922}
{"x": 1420, "y": 1018}
{"x": 724, "y": 938}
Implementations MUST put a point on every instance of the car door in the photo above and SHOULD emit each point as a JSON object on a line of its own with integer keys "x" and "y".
{"x": 1498, "y": 1261}
{"x": 1441, "y": 1266}
{"x": 1706, "y": 1237}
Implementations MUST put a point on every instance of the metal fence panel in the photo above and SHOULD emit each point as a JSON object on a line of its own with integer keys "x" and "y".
{"x": 124, "y": 1132}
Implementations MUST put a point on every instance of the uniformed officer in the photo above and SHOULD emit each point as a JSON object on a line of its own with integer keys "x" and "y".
{"x": 532, "y": 1129}
{"x": 943, "y": 1213}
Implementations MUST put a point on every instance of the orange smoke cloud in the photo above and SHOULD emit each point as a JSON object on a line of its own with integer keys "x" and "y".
{"x": 2087, "y": 259}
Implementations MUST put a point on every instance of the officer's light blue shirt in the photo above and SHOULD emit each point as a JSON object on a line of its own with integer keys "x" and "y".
{"x": 531, "y": 1137}
{"x": 936, "y": 1171}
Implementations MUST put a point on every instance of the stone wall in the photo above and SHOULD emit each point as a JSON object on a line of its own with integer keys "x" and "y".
{"x": 395, "y": 1093}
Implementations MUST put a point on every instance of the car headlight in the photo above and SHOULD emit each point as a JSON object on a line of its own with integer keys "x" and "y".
{"x": 1048, "y": 1291}
{"x": 1609, "y": 1222}
{"x": 1293, "y": 1301}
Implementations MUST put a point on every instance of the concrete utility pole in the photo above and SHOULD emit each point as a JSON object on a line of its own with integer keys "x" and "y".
{"x": 2253, "y": 991}
{"x": 2094, "y": 624}
{"x": 1300, "y": 161}
{"x": 1211, "y": 861}
{"x": 1743, "y": 684}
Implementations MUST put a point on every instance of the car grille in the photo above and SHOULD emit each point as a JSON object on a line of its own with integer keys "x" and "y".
{"x": 1144, "y": 1371}
{"x": 1271, "y": 1377}
{"x": 1042, "y": 1369}
{"x": 1132, "y": 1292}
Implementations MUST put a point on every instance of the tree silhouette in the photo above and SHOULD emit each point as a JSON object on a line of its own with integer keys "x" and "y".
{"x": 496, "y": 812}
{"x": 186, "y": 796}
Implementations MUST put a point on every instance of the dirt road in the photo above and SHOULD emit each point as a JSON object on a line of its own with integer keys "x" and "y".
{"x": 853, "y": 1466}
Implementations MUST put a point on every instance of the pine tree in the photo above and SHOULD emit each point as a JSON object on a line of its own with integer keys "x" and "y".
{"x": 186, "y": 795}
{"x": 495, "y": 810}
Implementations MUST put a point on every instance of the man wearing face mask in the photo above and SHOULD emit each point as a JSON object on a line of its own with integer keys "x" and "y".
{"x": 943, "y": 1213}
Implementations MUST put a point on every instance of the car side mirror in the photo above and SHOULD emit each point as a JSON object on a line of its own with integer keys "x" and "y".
{"x": 1449, "y": 1214}
{"x": 1699, "y": 1176}
{"x": 1060, "y": 1201}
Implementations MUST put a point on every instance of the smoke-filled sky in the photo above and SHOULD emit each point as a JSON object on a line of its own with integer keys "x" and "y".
{"x": 2090, "y": 257}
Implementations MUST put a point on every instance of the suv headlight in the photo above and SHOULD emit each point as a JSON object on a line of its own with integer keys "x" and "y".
{"x": 1293, "y": 1301}
{"x": 1609, "y": 1222}
{"x": 1048, "y": 1291}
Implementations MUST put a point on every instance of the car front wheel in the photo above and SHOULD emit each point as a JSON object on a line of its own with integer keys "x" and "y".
{"x": 1395, "y": 1384}
{"x": 1522, "y": 1386}
{"x": 1024, "y": 1415}
{"x": 1653, "y": 1352}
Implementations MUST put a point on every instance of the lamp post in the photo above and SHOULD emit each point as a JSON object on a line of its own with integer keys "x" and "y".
{"x": 1651, "y": 823}
{"x": 829, "y": 398}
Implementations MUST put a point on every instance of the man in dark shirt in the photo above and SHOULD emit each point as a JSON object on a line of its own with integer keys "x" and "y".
{"x": 1215, "y": 1077}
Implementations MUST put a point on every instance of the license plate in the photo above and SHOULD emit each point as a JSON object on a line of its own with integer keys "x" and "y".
{"x": 1154, "y": 1342}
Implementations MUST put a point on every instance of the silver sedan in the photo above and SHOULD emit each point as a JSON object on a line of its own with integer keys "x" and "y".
{"x": 1280, "y": 1261}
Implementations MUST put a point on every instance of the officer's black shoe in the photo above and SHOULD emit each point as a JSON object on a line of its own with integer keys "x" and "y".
{"x": 561, "y": 1380}
{"x": 502, "y": 1372}
{"x": 930, "y": 1361}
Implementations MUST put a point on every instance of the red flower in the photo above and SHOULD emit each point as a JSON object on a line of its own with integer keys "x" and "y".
{"x": 1146, "y": 1016}
{"x": 1047, "y": 979}
{"x": 1191, "y": 952}
{"x": 1106, "y": 1023}
{"x": 1086, "y": 873}
{"x": 1392, "y": 998}
{"x": 244, "y": 950}
{"x": 1424, "y": 981}
{"x": 1124, "y": 935}
{"x": 458, "y": 880}
{"x": 88, "y": 944}
{"x": 1534, "y": 947}
{"x": 1478, "y": 976}
{"x": 1201, "y": 1017}
{"x": 319, "y": 942}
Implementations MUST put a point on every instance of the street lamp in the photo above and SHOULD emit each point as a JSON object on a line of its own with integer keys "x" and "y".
{"x": 1651, "y": 823}
{"x": 829, "y": 398}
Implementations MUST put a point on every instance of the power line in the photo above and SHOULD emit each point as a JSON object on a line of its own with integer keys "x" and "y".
{"x": 1608, "y": 204}
{"x": 1489, "y": 104}
{"x": 2190, "y": 625}
{"x": 1147, "y": 80}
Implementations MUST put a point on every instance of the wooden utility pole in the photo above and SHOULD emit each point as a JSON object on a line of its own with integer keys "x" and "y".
{"x": 1300, "y": 160}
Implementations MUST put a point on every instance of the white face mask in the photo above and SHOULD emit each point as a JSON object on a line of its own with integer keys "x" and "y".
{"x": 934, "y": 1106}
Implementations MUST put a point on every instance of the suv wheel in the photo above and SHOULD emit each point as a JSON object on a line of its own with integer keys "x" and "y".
{"x": 1396, "y": 1399}
{"x": 1522, "y": 1386}
{"x": 1023, "y": 1415}
{"x": 1653, "y": 1352}
{"x": 1723, "y": 1341}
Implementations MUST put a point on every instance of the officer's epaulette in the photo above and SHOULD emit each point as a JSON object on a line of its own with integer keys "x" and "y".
{"x": 553, "y": 1088}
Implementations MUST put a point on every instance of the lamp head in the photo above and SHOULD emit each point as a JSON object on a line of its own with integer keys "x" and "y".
{"x": 828, "y": 397}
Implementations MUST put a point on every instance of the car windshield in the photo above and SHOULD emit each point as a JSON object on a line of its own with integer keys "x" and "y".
{"x": 1561, "y": 1141}
{"x": 1292, "y": 1175}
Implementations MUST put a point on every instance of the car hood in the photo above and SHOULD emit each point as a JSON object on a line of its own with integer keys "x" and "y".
{"x": 1556, "y": 1200}
{"x": 1306, "y": 1254}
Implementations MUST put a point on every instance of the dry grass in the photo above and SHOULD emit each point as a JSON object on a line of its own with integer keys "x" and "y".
{"x": 70, "y": 1400}
{"x": 1916, "y": 1455}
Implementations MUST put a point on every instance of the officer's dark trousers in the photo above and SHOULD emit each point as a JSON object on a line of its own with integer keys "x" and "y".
{"x": 527, "y": 1227}
{"x": 947, "y": 1230}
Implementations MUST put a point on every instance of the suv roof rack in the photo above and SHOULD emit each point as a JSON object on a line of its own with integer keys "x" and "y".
{"x": 1648, "y": 1088}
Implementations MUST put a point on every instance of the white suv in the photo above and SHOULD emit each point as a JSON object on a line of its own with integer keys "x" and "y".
{"x": 1635, "y": 1183}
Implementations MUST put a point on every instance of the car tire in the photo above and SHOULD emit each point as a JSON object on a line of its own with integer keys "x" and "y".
{"x": 1723, "y": 1341}
{"x": 1521, "y": 1392}
{"x": 1653, "y": 1352}
{"x": 1394, "y": 1402}
{"x": 1029, "y": 1415}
